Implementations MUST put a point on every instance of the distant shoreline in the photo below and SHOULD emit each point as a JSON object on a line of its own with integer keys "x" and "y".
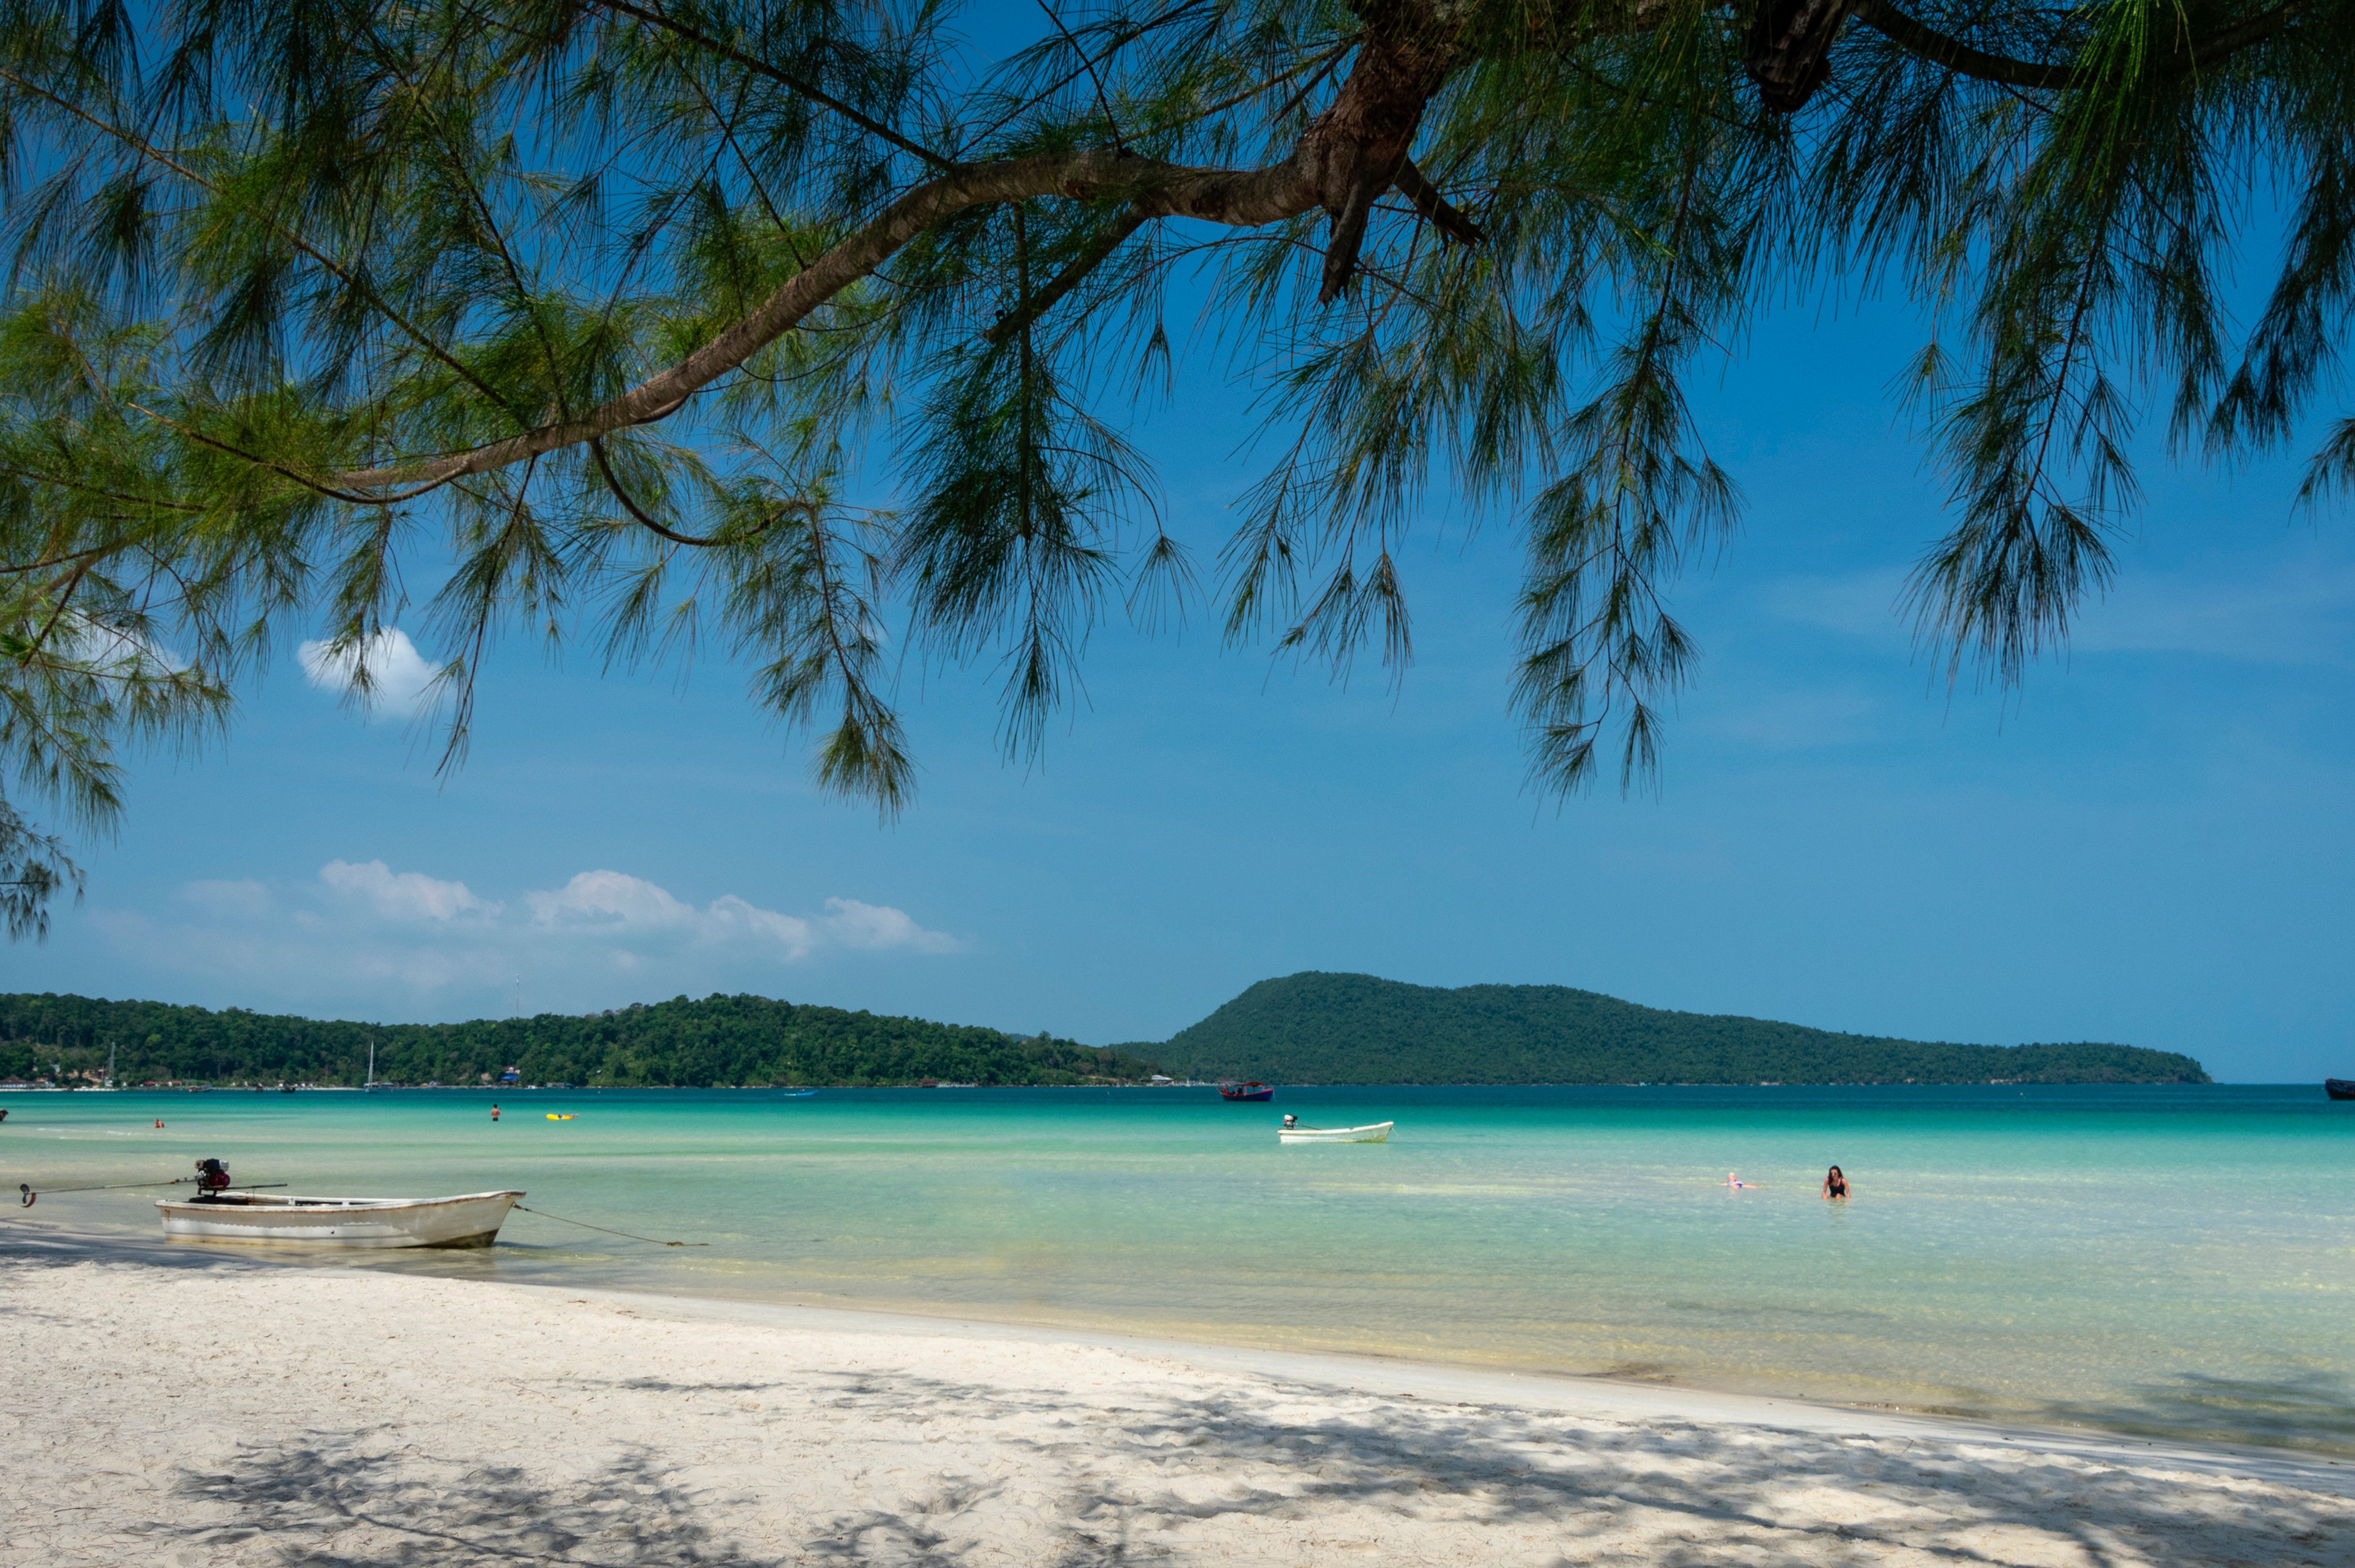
{"x": 1312, "y": 1028}
{"x": 496, "y": 1089}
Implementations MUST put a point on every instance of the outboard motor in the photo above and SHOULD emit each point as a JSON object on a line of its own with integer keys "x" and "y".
{"x": 212, "y": 1179}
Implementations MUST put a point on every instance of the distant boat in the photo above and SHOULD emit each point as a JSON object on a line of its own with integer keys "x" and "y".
{"x": 1245, "y": 1091}
{"x": 470, "y": 1220}
{"x": 1379, "y": 1133}
{"x": 561, "y": 1116}
{"x": 796, "y": 1093}
{"x": 2340, "y": 1088}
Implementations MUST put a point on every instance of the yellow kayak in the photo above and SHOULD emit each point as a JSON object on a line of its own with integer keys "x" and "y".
{"x": 565, "y": 1117}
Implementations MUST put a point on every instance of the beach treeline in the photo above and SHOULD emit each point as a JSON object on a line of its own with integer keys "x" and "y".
{"x": 718, "y": 1041}
{"x": 1356, "y": 1028}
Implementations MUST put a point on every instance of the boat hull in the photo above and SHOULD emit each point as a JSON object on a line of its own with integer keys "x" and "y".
{"x": 1244, "y": 1092}
{"x": 471, "y": 1219}
{"x": 1379, "y": 1133}
{"x": 2340, "y": 1088}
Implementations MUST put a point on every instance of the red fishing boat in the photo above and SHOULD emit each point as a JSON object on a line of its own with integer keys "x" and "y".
{"x": 1245, "y": 1091}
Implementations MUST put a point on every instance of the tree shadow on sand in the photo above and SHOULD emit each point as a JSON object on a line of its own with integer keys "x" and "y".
{"x": 1690, "y": 1493}
{"x": 1234, "y": 1476}
{"x": 353, "y": 1502}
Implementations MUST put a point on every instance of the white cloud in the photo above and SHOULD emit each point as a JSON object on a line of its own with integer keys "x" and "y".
{"x": 612, "y": 899}
{"x": 728, "y": 913}
{"x": 399, "y": 674}
{"x": 600, "y": 937}
{"x": 613, "y": 903}
{"x": 402, "y": 895}
{"x": 879, "y": 927}
{"x": 611, "y": 907}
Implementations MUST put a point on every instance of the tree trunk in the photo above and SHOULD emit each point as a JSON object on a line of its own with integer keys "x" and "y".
{"x": 1352, "y": 152}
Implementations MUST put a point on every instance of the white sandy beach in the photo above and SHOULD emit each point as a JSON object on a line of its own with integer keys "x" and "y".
{"x": 194, "y": 1407}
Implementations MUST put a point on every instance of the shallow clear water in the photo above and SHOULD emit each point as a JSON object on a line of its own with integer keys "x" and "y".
{"x": 2169, "y": 1260}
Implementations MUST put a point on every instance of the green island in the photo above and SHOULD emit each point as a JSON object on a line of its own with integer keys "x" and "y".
{"x": 1356, "y": 1028}
{"x": 1304, "y": 1028}
{"x": 718, "y": 1041}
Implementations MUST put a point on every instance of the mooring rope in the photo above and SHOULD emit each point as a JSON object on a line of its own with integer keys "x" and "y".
{"x": 585, "y": 1225}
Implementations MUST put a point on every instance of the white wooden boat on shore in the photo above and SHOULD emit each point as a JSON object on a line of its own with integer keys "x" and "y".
{"x": 1379, "y": 1133}
{"x": 471, "y": 1219}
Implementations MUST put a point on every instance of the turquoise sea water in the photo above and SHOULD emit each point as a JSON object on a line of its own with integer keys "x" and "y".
{"x": 2168, "y": 1261}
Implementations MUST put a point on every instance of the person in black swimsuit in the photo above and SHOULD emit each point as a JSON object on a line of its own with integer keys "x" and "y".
{"x": 1836, "y": 1185}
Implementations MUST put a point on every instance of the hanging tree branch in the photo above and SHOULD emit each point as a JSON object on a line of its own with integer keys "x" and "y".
{"x": 282, "y": 308}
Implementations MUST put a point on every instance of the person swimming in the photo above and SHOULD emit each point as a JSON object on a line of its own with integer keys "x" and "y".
{"x": 1737, "y": 1185}
{"x": 1836, "y": 1184}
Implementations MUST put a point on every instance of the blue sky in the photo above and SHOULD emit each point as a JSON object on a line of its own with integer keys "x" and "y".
{"x": 2149, "y": 844}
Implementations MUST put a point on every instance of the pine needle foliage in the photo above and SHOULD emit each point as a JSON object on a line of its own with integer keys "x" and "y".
{"x": 608, "y": 321}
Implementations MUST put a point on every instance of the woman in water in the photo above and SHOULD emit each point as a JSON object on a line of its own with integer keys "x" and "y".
{"x": 1835, "y": 1184}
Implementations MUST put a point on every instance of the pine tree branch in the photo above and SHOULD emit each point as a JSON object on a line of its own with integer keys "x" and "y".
{"x": 652, "y": 16}
{"x": 1243, "y": 197}
{"x": 1434, "y": 208}
{"x": 1070, "y": 278}
{"x": 638, "y": 514}
{"x": 148, "y": 150}
{"x": 1427, "y": 200}
{"x": 1958, "y": 57}
{"x": 1941, "y": 48}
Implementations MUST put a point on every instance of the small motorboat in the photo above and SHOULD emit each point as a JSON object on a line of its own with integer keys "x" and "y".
{"x": 2340, "y": 1088}
{"x": 472, "y": 1219}
{"x": 1379, "y": 1133}
{"x": 219, "y": 1212}
{"x": 1239, "y": 1092}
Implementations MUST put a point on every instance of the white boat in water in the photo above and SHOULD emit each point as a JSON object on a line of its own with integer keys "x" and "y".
{"x": 472, "y": 1219}
{"x": 1379, "y": 1133}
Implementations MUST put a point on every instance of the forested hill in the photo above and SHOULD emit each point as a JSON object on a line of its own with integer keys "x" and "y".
{"x": 732, "y": 1041}
{"x": 1356, "y": 1028}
